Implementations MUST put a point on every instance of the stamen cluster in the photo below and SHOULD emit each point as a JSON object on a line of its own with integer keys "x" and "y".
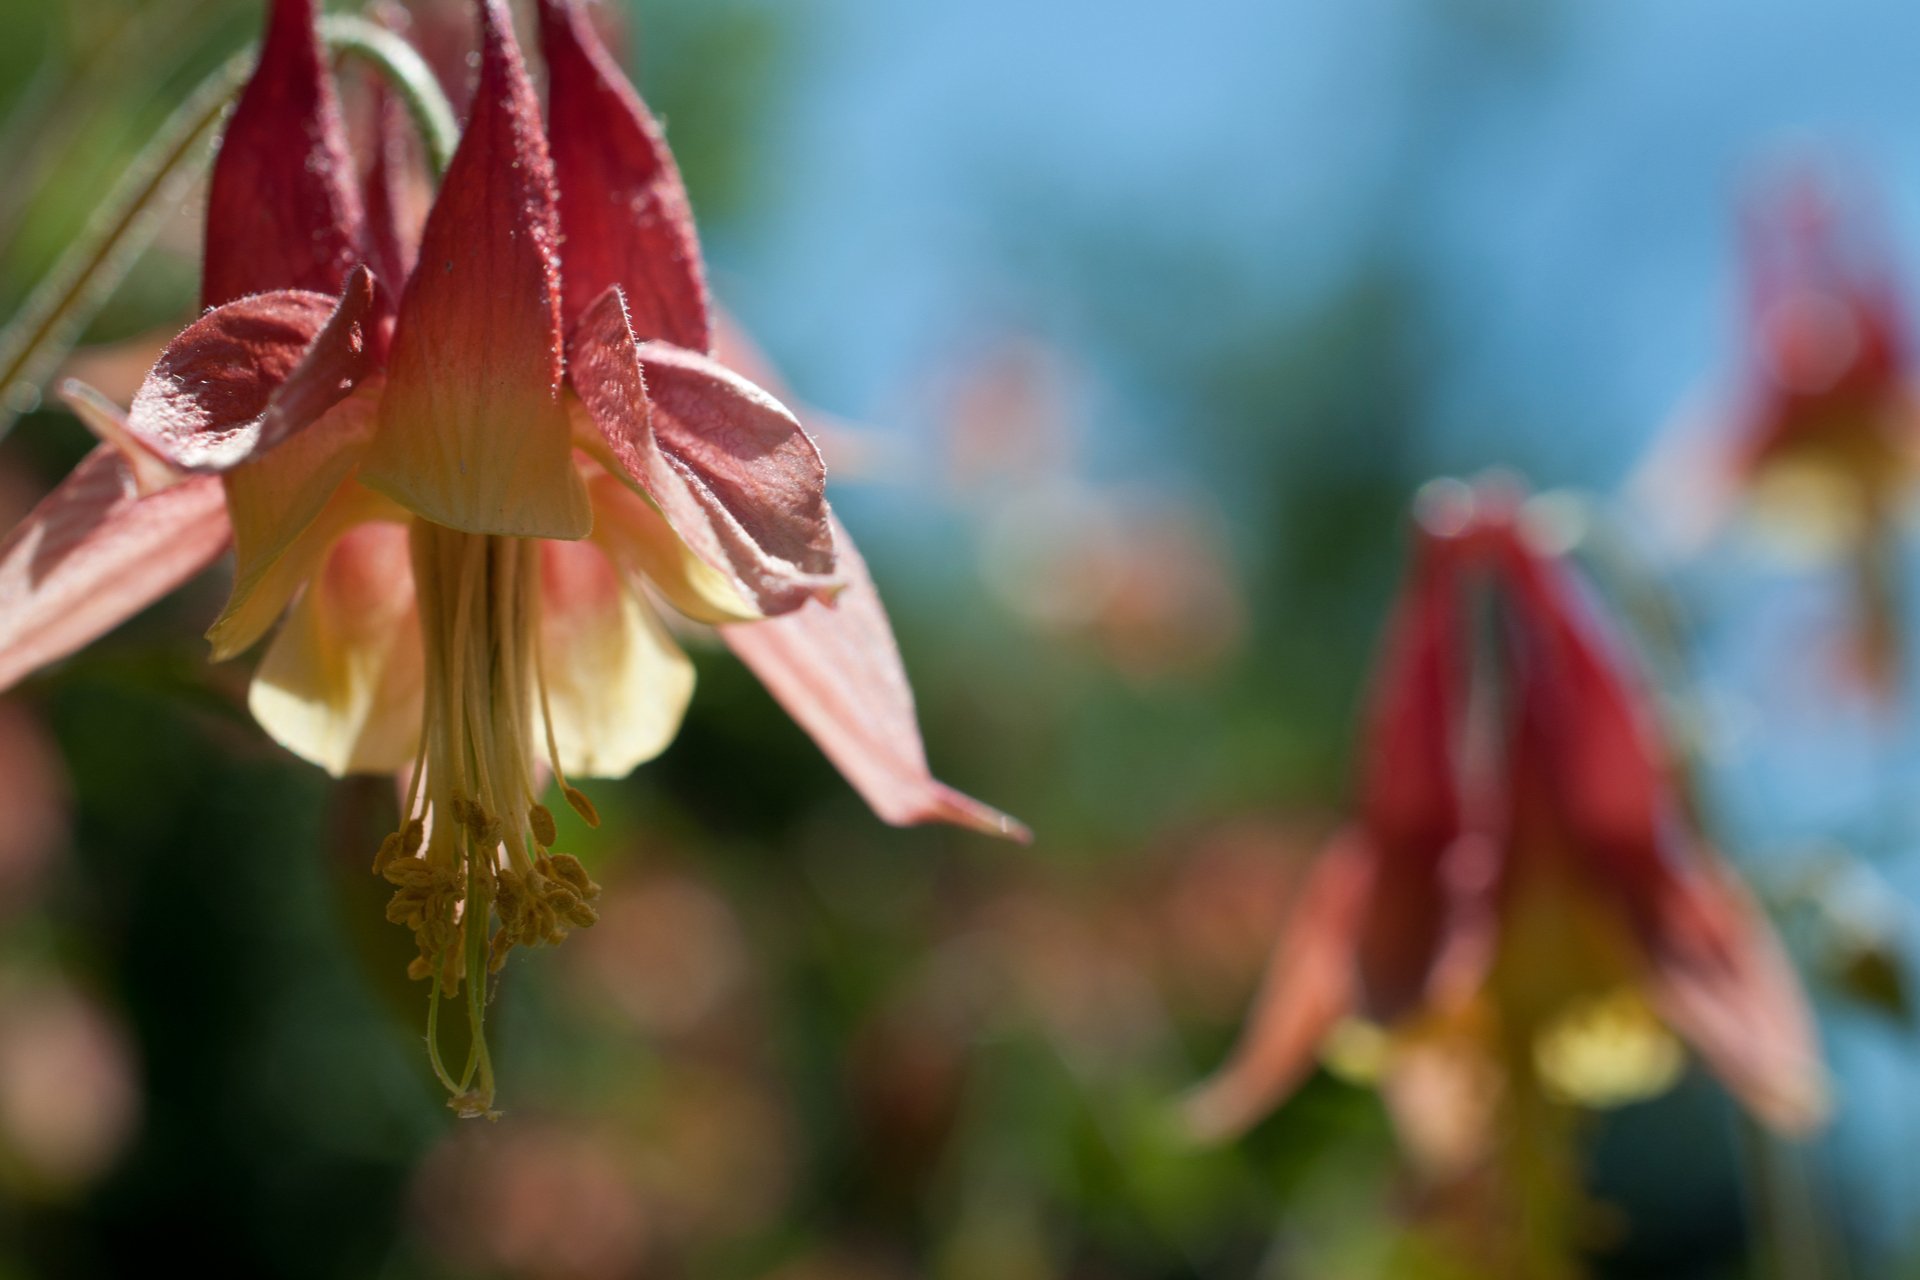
{"x": 476, "y": 845}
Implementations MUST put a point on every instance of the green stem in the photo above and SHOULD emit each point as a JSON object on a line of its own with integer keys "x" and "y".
{"x": 433, "y": 1035}
{"x": 407, "y": 73}
{"x": 51, "y": 319}
{"x": 476, "y": 940}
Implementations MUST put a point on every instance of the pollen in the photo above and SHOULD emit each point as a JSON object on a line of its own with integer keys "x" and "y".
{"x": 472, "y": 866}
{"x": 540, "y": 818}
{"x": 582, "y": 806}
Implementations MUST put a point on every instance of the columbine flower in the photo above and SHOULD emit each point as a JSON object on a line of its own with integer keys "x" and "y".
{"x": 1821, "y": 437}
{"x": 466, "y": 466}
{"x": 1520, "y": 904}
{"x": 1829, "y": 403}
{"x": 1829, "y": 435}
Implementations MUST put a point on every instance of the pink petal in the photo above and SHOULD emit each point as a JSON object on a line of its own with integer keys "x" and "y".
{"x": 1588, "y": 730}
{"x": 473, "y": 434}
{"x": 282, "y": 212}
{"x": 1589, "y": 755}
{"x": 744, "y": 450}
{"x": 398, "y": 192}
{"x": 248, "y": 375}
{"x": 94, "y": 553}
{"x": 1412, "y": 804}
{"x": 837, "y": 672}
{"x": 622, "y": 205}
{"x": 734, "y": 474}
{"x": 1308, "y": 988}
{"x": 1721, "y": 979}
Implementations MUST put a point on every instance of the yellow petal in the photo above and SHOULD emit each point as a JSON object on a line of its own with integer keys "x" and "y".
{"x": 287, "y": 506}
{"x": 642, "y": 544}
{"x": 268, "y": 573}
{"x": 617, "y": 685}
{"x": 341, "y": 685}
{"x": 1608, "y": 1051}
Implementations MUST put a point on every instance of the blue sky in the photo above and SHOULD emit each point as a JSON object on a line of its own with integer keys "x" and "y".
{"x": 1562, "y": 181}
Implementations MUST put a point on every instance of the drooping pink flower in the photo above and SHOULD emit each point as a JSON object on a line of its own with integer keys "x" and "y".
{"x": 1520, "y": 897}
{"x": 1829, "y": 432}
{"x": 461, "y": 488}
{"x": 1818, "y": 437}
{"x": 1827, "y": 380}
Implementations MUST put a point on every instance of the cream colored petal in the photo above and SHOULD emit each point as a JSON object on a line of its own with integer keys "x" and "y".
{"x": 640, "y": 542}
{"x": 263, "y": 584}
{"x": 275, "y": 500}
{"x": 617, "y": 685}
{"x": 1443, "y": 1088}
{"x": 341, "y": 685}
{"x": 1608, "y": 1051}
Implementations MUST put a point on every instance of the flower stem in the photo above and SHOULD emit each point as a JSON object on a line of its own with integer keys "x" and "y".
{"x": 407, "y": 73}
{"x": 59, "y": 308}
{"x": 433, "y": 1035}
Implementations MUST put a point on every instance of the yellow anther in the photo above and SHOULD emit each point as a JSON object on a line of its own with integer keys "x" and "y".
{"x": 582, "y": 806}
{"x": 540, "y": 818}
{"x": 444, "y": 960}
{"x": 567, "y": 869}
{"x": 413, "y": 873}
{"x": 482, "y": 827}
{"x": 487, "y": 882}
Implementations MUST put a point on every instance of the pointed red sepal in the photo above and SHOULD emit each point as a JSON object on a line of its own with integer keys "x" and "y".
{"x": 1309, "y": 986}
{"x": 1587, "y": 731}
{"x": 622, "y": 204}
{"x": 1412, "y": 791}
{"x": 248, "y": 375}
{"x": 397, "y": 190}
{"x": 1721, "y": 979}
{"x": 735, "y": 475}
{"x": 1588, "y": 754}
{"x": 836, "y": 670}
{"x": 94, "y": 553}
{"x": 473, "y": 434}
{"x": 282, "y": 208}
